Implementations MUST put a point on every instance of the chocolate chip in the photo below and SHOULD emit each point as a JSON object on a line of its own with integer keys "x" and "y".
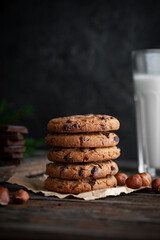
{"x": 67, "y": 158}
{"x": 111, "y": 117}
{"x": 65, "y": 168}
{"x": 69, "y": 121}
{"x": 94, "y": 170}
{"x": 113, "y": 168}
{"x": 85, "y": 159}
{"x": 100, "y": 166}
{"x": 92, "y": 182}
{"x": 109, "y": 161}
{"x": 86, "y": 139}
{"x": 66, "y": 127}
{"x": 114, "y": 185}
{"x": 81, "y": 172}
{"x": 107, "y": 134}
{"x": 75, "y": 125}
{"x": 116, "y": 139}
{"x": 103, "y": 126}
{"x": 104, "y": 118}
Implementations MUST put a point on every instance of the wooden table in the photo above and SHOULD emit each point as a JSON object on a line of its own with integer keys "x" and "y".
{"x": 133, "y": 216}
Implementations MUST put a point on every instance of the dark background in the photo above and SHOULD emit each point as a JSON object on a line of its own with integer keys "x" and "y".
{"x": 73, "y": 57}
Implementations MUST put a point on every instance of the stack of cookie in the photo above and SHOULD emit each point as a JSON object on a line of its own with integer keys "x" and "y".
{"x": 12, "y": 144}
{"x": 82, "y": 152}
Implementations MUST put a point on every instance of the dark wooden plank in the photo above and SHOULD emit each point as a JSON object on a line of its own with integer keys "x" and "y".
{"x": 133, "y": 216}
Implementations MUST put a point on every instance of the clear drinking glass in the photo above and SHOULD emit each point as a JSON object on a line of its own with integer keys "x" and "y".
{"x": 146, "y": 77}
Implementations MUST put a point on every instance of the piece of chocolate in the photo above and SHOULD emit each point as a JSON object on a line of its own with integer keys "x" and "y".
{"x": 116, "y": 139}
{"x": 67, "y": 158}
{"x": 69, "y": 121}
{"x": 66, "y": 127}
{"x": 103, "y": 126}
{"x": 11, "y": 136}
{"x": 81, "y": 172}
{"x": 6, "y": 149}
{"x": 13, "y": 128}
{"x": 94, "y": 170}
{"x": 11, "y": 155}
{"x": 7, "y": 142}
{"x": 75, "y": 125}
{"x": 113, "y": 168}
{"x": 4, "y": 162}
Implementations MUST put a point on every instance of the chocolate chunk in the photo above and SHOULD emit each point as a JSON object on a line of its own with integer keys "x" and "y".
{"x": 116, "y": 139}
{"x": 86, "y": 139}
{"x": 94, "y": 170}
{"x": 65, "y": 167}
{"x": 107, "y": 134}
{"x": 67, "y": 158}
{"x": 13, "y": 128}
{"x": 75, "y": 125}
{"x": 69, "y": 121}
{"x": 7, "y": 149}
{"x": 103, "y": 126}
{"x": 109, "y": 161}
{"x": 81, "y": 172}
{"x": 100, "y": 166}
{"x": 8, "y": 142}
{"x": 85, "y": 159}
{"x": 11, "y": 155}
{"x": 114, "y": 185}
{"x": 104, "y": 118}
{"x": 113, "y": 168}
{"x": 111, "y": 117}
{"x": 92, "y": 182}
{"x": 66, "y": 127}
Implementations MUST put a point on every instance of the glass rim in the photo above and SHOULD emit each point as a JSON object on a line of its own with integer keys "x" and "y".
{"x": 144, "y": 51}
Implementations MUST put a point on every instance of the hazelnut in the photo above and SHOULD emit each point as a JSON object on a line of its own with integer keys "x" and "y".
{"x": 20, "y": 196}
{"x": 121, "y": 179}
{"x": 156, "y": 185}
{"x": 146, "y": 179}
{"x": 134, "y": 181}
{"x": 4, "y": 196}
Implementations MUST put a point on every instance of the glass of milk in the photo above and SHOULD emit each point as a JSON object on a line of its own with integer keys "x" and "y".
{"x": 146, "y": 77}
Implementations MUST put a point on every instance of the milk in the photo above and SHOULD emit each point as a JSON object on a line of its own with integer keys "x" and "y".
{"x": 147, "y": 100}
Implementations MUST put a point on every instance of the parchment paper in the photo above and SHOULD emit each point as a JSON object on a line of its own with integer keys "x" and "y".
{"x": 36, "y": 185}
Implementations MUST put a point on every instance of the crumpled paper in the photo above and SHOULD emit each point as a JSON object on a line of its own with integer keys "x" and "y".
{"x": 36, "y": 185}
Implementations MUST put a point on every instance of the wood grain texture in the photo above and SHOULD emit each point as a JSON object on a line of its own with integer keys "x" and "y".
{"x": 133, "y": 216}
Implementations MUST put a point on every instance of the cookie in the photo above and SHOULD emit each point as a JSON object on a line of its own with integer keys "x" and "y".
{"x": 83, "y": 170}
{"x": 79, "y": 186}
{"x": 72, "y": 155}
{"x": 13, "y": 128}
{"x": 83, "y": 140}
{"x": 83, "y": 123}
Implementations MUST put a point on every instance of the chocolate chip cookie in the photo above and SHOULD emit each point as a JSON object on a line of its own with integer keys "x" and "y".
{"x": 72, "y": 155}
{"x": 83, "y": 123}
{"x": 79, "y": 186}
{"x": 83, "y": 170}
{"x": 83, "y": 140}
